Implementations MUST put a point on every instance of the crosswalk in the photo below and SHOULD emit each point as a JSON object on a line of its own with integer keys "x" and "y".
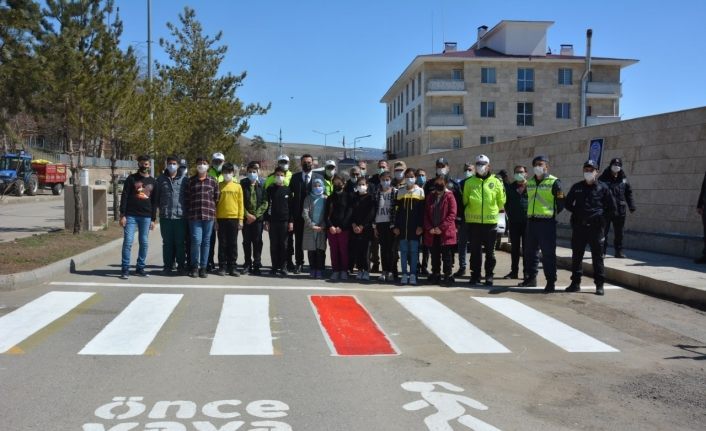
{"x": 245, "y": 325}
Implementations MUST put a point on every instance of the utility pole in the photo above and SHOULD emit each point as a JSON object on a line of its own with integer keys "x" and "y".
{"x": 149, "y": 80}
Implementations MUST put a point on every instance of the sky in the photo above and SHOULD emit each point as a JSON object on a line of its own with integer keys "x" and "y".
{"x": 324, "y": 65}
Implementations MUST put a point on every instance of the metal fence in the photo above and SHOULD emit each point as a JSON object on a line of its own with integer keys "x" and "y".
{"x": 99, "y": 162}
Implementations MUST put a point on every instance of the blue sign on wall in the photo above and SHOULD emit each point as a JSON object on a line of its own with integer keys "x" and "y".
{"x": 595, "y": 150}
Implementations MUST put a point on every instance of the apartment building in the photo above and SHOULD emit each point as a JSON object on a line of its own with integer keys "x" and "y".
{"x": 506, "y": 85}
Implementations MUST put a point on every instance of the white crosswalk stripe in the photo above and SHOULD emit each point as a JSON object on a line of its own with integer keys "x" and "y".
{"x": 244, "y": 326}
{"x": 456, "y": 332}
{"x": 552, "y": 330}
{"x": 133, "y": 330}
{"x": 20, "y": 324}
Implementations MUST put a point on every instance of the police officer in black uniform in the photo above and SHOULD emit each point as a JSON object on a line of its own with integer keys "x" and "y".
{"x": 590, "y": 203}
{"x": 616, "y": 180}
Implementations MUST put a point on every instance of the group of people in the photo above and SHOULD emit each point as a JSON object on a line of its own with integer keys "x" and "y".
{"x": 371, "y": 223}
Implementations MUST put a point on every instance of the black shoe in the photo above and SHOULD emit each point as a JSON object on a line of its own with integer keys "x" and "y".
{"x": 290, "y": 267}
{"x": 528, "y": 282}
{"x": 124, "y": 275}
{"x": 434, "y": 278}
{"x": 203, "y": 273}
{"x": 448, "y": 281}
{"x": 424, "y": 272}
{"x": 619, "y": 254}
{"x": 549, "y": 288}
{"x": 489, "y": 281}
{"x": 140, "y": 272}
{"x": 283, "y": 273}
{"x": 211, "y": 267}
{"x": 256, "y": 271}
{"x": 702, "y": 259}
{"x": 573, "y": 287}
{"x": 375, "y": 268}
{"x": 474, "y": 282}
{"x": 599, "y": 290}
{"x": 511, "y": 276}
{"x": 192, "y": 273}
{"x": 221, "y": 272}
{"x": 167, "y": 271}
{"x": 460, "y": 273}
{"x": 233, "y": 273}
{"x": 298, "y": 269}
{"x": 246, "y": 269}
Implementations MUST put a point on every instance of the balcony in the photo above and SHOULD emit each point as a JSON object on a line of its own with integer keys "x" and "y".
{"x": 446, "y": 87}
{"x": 601, "y": 119}
{"x": 604, "y": 90}
{"x": 445, "y": 122}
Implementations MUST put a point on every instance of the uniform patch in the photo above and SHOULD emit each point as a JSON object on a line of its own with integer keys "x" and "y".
{"x": 491, "y": 185}
{"x": 560, "y": 195}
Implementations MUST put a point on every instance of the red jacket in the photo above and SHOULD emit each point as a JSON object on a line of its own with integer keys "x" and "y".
{"x": 448, "y": 219}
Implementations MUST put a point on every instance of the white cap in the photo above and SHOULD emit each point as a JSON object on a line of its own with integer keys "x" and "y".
{"x": 482, "y": 159}
{"x": 283, "y": 157}
{"x": 218, "y": 156}
{"x": 330, "y": 163}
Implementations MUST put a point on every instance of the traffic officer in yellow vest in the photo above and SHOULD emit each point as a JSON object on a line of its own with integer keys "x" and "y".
{"x": 283, "y": 161}
{"x": 591, "y": 203}
{"x": 483, "y": 198}
{"x": 545, "y": 200}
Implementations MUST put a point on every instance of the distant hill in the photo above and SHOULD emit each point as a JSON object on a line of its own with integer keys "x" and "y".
{"x": 293, "y": 149}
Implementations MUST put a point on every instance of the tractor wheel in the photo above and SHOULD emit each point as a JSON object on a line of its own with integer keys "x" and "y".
{"x": 32, "y": 185}
{"x": 19, "y": 188}
{"x": 57, "y": 189}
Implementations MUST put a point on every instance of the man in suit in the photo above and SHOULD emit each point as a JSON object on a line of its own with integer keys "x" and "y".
{"x": 300, "y": 185}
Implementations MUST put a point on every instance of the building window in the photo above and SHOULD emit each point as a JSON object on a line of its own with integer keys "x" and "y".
{"x": 487, "y": 75}
{"x": 406, "y": 123}
{"x": 457, "y": 109}
{"x": 565, "y": 77}
{"x": 419, "y": 118}
{"x": 412, "y": 88}
{"x": 419, "y": 86}
{"x": 458, "y": 74}
{"x": 487, "y": 140}
{"x": 524, "y": 114}
{"x": 487, "y": 109}
{"x": 563, "y": 110}
{"x": 413, "y": 116}
{"x": 525, "y": 79}
{"x": 456, "y": 142}
{"x": 407, "y": 94}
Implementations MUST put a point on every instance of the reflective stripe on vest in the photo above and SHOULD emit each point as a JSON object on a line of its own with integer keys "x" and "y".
{"x": 540, "y": 197}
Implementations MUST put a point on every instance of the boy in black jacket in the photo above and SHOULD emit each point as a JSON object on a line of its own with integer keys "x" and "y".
{"x": 279, "y": 221}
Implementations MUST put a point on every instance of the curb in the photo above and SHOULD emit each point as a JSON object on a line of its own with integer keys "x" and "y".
{"x": 30, "y": 199}
{"x": 21, "y": 280}
{"x": 639, "y": 282}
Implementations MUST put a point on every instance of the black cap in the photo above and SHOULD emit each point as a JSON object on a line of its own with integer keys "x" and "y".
{"x": 616, "y": 161}
{"x": 540, "y": 158}
{"x": 590, "y": 164}
{"x": 442, "y": 161}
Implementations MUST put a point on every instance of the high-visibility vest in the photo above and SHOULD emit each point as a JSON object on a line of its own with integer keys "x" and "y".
{"x": 541, "y": 203}
{"x": 483, "y": 199}
{"x": 270, "y": 180}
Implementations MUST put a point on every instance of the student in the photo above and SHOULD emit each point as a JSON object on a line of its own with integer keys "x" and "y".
{"x": 279, "y": 221}
{"x": 216, "y": 172}
{"x": 229, "y": 220}
{"x": 362, "y": 217}
{"x": 255, "y": 205}
{"x": 422, "y": 269}
{"x": 171, "y": 191}
{"x": 314, "y": 234}
{"x": 440, "y": 230}
{"x": 338, "y": 223}
{"x": 409, "y": 219}
{"x": 201, "y": 197}
{"x": 384, "y": 204}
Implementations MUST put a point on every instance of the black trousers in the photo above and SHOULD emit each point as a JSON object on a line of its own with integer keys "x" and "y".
{"x": 425, "y": 255}
{"x": 462, "y": 244}
{"x": 591, "y": 235}
{"x": 361, "y": 249}
{"x": 298, "y": 250}
{"x": 441, "y": 254}
{"x": 703, "y": 219}
{"x": 317, "y": 259}
{"x": 252, "y": 244}
{"x": 278, "y": 244}
{"x": 517, "y": 243}
{"x": 619, "y": 224}
{"x": 387, "y": 250}
{"x": 375, "y": 251}
{"x": 227, "y": 242}
{"x": 482, "y": 237}
{"x": 541, "y": 235}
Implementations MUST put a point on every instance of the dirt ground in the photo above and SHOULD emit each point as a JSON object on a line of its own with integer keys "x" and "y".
{"x": 29, "y": 253}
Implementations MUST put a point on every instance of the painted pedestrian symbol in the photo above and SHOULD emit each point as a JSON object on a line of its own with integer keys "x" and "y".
{"x": 450, "y": 407}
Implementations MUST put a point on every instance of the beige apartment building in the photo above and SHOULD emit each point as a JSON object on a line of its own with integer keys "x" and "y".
{"x": 505, "y": 86}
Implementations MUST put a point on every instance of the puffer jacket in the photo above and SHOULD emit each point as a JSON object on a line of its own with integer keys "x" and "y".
{"x": 447, "y": 223}
{"x": 170, "y": 196}
{"x": 620, "y": 189}
{"x": 409, "y": 212}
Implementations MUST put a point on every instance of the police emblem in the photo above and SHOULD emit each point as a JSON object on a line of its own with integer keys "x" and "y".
{"x": 491, "y": 185}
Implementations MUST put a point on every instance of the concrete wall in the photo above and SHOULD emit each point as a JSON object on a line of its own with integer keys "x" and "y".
{"x": 664, "y": 158}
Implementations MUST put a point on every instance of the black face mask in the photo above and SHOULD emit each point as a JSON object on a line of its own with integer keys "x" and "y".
{"x": 143, "y": 169}
{"x": 338, "y": 187}
{"x": 306, "y": 167}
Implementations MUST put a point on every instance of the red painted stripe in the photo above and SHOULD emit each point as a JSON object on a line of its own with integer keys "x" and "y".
{"x": 350, "y": 327}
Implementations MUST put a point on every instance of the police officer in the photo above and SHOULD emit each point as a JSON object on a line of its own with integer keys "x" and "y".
{"x": 545, "y": 200}
{"x": 616, "y": 180}
{"x": 590, "y": 203}
{"x": 461, "y": 231}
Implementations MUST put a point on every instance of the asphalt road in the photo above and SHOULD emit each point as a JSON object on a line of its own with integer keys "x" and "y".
{"x": 261, "y": 353}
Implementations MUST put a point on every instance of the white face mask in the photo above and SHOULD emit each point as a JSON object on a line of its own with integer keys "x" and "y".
{"x": 538, "y": 170}
{"x": 442, "y": 171}
{"x": 362, "y": 189}
{"x": 331, "y": 172}
{"x": 285, "y": 166}
{"x": 202, "y": 169}
{"x": 279, "y": 180}
{"x": 381, "y": 170}
{"x": 410, "y": 181}
{"x": 218, "y": 167}
{"x": 399, "y": 175}
{"x": 468, "y": 174}
{"x": 481, "y": 169}
{"x": 519, "y": 177}
{"x": 589, "y": 177}
{"x": 363, "y": 172}
{"x": 615, "y": 168}
{"x": 227, "y": 177}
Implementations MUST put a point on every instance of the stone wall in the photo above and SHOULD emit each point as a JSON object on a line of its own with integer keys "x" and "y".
{"x": 664, "y": 159}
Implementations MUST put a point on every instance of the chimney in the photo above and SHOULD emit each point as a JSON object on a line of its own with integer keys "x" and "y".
{"x": 482, "y": 30}
{"x": 449, "y": 47}
{"x": 567, "y": 49}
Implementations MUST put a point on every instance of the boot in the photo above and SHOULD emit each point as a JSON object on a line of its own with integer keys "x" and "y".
{"x": 575, "y": 286}
{"x": 599, "y": 289}
{"x": 528, "y": 282}
{"x": 550, "y": 288}
{"x": 203, "y": 273}
{"x": 489, "y": 280}
{"x": 619, "y": 254}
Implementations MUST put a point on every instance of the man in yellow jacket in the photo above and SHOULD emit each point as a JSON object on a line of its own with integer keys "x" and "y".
{"x": 483, "y": 199}
{"x": 230, "y": 213}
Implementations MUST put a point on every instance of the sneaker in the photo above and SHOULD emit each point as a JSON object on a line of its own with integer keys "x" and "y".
{"x": 335, "y": 276}
{"x": 434, "y": 278}
{"x": 221, "y": 271}
{"x": 366, "y": 276}
{"x": 549, "y": 288}
{"x": 203, "y": 273}
{"x": 344, "y": 275}
{"x": 124, "y": 275}
{"x": 233, "y": 273}
{"x": 140, "y": 272}
{"x": 283, "y": 273}
{"x": 448, "y": 281}
{"x": 512, "y": 275}
{"x": 573, "y": 287}
{"x": 383, "y": 276}
{"x": 413, "y": 280}
{"x": 319, "y": 275}
{"x": 489, "y": 281}
{"x": 359, "y": 276}
{"x": 192, "y": 273}
{"x": 256, "y": 271}
{"x": 404, "y": 279}
{"x": 460, "y": 273}
{"x": 298, "y": 269}
{"x": 246, "y": 269}
{"x": 620, "y": 255}
{"x": 528, "y": 282}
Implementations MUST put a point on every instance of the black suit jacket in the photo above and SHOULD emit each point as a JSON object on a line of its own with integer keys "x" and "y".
{"x": 300, "y": 190}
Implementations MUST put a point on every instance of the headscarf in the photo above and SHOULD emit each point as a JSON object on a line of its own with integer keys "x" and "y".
{"x": 318, "y": 201}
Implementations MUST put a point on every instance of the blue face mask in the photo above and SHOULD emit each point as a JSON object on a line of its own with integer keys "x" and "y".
{"x": 421, "y": 180}
{"x": 252, "y": 176}
{"x": 318, "y": 191}
{"x": 386, "y": 183}
{"x": 171, "y": 168}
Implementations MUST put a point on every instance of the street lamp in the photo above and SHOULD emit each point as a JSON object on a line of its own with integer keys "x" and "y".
{"x": 280, "y": 140}
{"x": 325, "y": 136}
{"x": 355, "y": 140}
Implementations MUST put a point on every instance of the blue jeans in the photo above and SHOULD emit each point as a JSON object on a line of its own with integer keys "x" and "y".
{"x": 200, "y": 231}
{"x": 409, "y": 249}
{"x": 143, "y": 228}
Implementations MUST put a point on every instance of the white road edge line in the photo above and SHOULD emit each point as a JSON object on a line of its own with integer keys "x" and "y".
{"x": 244, "y": 326}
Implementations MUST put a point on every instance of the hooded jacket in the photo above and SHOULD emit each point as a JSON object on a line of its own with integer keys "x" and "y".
{"x": 447, "y": 224}
{"x": 409, "y": 212}
{"x": 620, "y": 189}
